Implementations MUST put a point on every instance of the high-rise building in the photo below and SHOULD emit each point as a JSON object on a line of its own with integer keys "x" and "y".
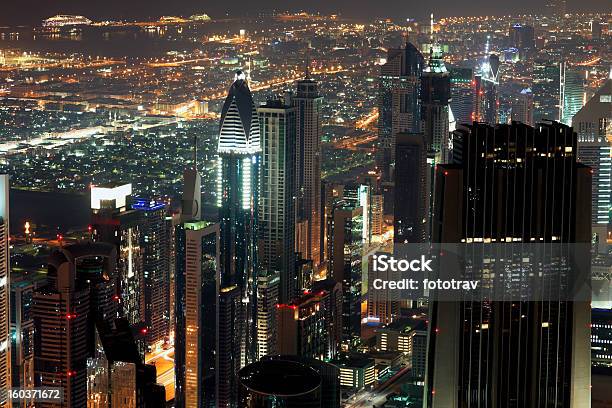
{"x": 522, "y": 37}
{"x": 522, "y": 107}
{"x": 486, "y": 96}
{"x": 308, "y": 105}
{"x": 435, "y": 99}
{"x": 478, "y": 352}
{"x": 411, "y": 209}
{"x": 593, "y": 123}
{"x": 231, "y": 322}
{"x": 237, "y": 198}
{"x": 22, "y": 337}
{"x": 346, "y": 249}
{"x": 330, "y": 292}
{"x": 546, "y": 85}
{"x": 268, "y": 285}
{"x": 155, "y": 247}
{"x": 462, "y": 94}
{"x": 302, "y": 327}
{"x": 198, "y": 274}
{"x": 399, "y": 88}
{"x": 279, "y": 383}
{"x": 571, "y": 92}
{"x": 114, "y": 223}
{"x": 276, "y": 223}
{"x": 5, "y": 292}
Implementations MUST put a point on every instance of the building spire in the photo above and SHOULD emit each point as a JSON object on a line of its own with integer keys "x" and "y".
{"x": 307, "y": 70}
{"x": 195, "y": 152}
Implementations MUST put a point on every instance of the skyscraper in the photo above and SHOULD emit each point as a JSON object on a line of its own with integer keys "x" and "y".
{"x": 198, "y": 273}
{"x": 510, "y": 184}
{"x": 5, "y": 291}
{"x": 155, "y": 247}
{"x": 268, "y": 285}
{"x": 545, "y": 89}
{"x": 487, "y": 98}
{"x": 435, "y": 97}
{"x": 571, "y": 92}
{"x": 114, "y": 223}
{"x": 411, "y": 209}
{"x": 237, "y": 194}
{"x": 593, "y": 123}
{"x": 522, "y": 107}
{"x": 276, "y": 223}
{"x": 399, "y": 88}
{"x": 462, "y": 94}
{"x": 308, "y": 105}
{"x": 22, "y": 336}
{"x": 346, "y": 248}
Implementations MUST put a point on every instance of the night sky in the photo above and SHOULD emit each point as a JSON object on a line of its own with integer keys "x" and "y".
{"x": 16, "y": 12}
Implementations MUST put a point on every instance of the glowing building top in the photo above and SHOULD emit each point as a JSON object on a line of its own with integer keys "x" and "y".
{"x": 62, "y": 20}
{"x": 239, "y": 128}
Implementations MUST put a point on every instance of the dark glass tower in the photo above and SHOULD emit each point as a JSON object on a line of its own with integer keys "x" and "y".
{"x": 237, "y": 198}
{"x": 511, "y": 184}
{"x": 399, "y": 88}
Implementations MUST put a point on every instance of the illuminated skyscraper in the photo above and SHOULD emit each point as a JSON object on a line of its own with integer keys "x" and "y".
{"x": 479, "y": 352}
{"x": 5, "y": 291}
{"x": 346, "y": 248}
{"x": 268, "y": 285}
{"x": 237, "y": 194}
{"x": 487, "y": 98}
{"x": 276, "y": 223}
{"x": 462, "y": 94}
{"x": 399, "y": 89}
{"x": 522, "y": 107}
{"x": 113, "y": 223}
{"x": 435, "y": 97}
{"x": 571, "y": 92}
{"x": 156, "y": 273}
{"x": 545, "y": 90}
{"x": 593, "y": 123}
{"x": 22, "y": 336}
{"x": 198, "y": 275}
{"x": 308, "y": 105}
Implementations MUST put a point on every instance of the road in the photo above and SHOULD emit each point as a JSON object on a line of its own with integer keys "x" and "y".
{"x": 377, "y": 396}
{"x": 164, "y": 364}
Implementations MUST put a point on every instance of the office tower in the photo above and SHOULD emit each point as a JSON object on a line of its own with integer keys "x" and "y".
{"x": 231, "y": 321}
{"x": 479, "y": 352}
{"x": 331, "y": 300}
{"x": 171, "y": 222}
{"x": 22, "y": 336}
{"x": 302, "y": 328}
{"x": 487, "y": 98}
{"x": 546, "y": 85}
{"x": 197, "y": 278}
{"x": 61, "y": 355}
{"x": 377, "y": 223}
{"x": 360, "y": 195}
{"x": 462, "y": 94}
{"x": 522, "y": 37}
{"x": 308, "y": 105}
{"x": 571, "y": 92}
{"x": 435, "y": 99}
{"x": 276, "y": 223}
{"x": 593, "y": 123}
{"x": 411, "y": 209}
{"x": 112, "y": 222}
{"x": 399, "y": 87}
{"x": 601, "y": 338}
{"x": 5, "y": 291}
{"x": 155, "y": 247}
{"x": 346, "y": 249}
{"x": 237, "y": 197}
{"x": 281, "y": 383}
{"x": 522, "y": 107}
{"x": 356, "y": 371}
{"x": 268, "y": 285}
